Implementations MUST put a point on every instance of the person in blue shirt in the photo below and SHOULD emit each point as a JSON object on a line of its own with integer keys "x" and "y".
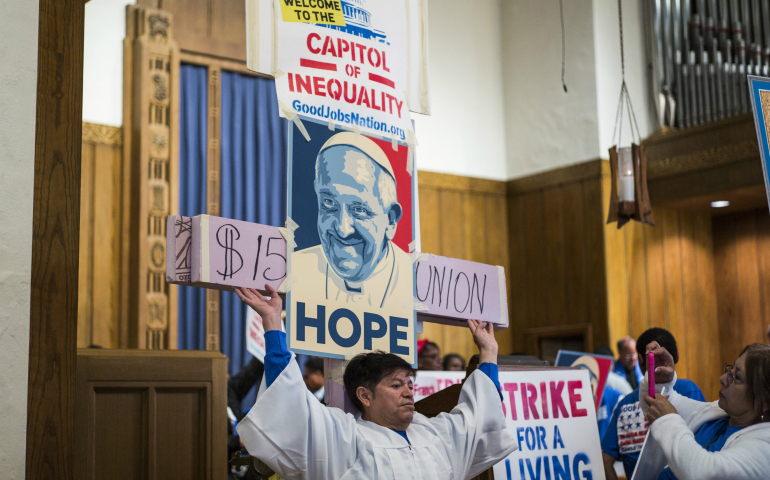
{"x": 627, "y": 364}
{"x": 627, "y": 428}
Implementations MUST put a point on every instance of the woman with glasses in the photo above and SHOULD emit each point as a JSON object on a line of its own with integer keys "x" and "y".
{"x": 726, "y": 439}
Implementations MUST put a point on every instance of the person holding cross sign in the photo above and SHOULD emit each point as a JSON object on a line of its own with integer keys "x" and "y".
{"x": 299, "y": 438}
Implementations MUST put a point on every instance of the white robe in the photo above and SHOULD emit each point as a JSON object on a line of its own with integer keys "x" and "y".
{"x": 299, "y": 438}
{"x": 745, "y": 455}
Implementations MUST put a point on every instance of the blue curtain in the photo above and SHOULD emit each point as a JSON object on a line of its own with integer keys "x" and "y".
{"x": 193, "y": 113}
{"x": 253, "y": 172}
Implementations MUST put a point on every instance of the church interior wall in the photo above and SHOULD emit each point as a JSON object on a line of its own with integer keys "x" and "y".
{"x": 18, "y": 76}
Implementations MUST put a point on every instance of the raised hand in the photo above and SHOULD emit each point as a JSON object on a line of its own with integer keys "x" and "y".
{"x": 658, "y": 407}
{"x": 484, "y": 337}
{"x": 269, "y": 310}
{"x": 664, "y": 363}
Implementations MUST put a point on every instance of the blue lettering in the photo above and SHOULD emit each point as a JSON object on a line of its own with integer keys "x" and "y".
{"x": 369, "y": 333}
{"x": 352, "y": 340}
{"x": 396, "y": 335}
{"x": 541, "y": 438}
{"x": 581, "y": 457}
{"x": 318, "y": 323}
{"x": 353, "y": 118}
{"x": 530, "y": 444}
{"x": 304, "y": 108}
{"x": 559, "y": 472}
{"x": 296, "y": 105}
{"x": 557, "y": 437}
{"x": 519, "y": 435}
{"x": 521, "y": 469}
{"x": 538, "y": 464}
{"x": 313, "y": 110}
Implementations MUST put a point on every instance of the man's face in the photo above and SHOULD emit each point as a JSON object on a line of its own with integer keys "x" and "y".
{"x": 313, "y": 380}
{"x": 353, "y": 224}
{"x": 429, "y": 359}
{"x": 393, "y": 402}
{"x": 628, "y": 355}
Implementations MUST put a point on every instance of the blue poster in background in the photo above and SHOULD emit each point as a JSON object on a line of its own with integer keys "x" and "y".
{"x": 759, "y": 88}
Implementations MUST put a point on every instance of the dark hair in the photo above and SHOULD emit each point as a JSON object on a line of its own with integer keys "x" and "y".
{"x": 314, "y": 364}
{"x": 758, "y": 372}
{"x": 603, "y": 350}
{"x": 449, "y": 357}
{"x": 664, "y": 339}
{"x": 368, "y": 369}
{"x": 621, "y": 344}
{"x": 428, "y": 344}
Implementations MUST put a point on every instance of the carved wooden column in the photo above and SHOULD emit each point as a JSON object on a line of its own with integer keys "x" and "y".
{"x": 151, "y": 106}
{"x": 213, "y": 195}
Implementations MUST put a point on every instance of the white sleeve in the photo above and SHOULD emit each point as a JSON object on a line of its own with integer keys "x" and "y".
{"x": 746, "y": 459}
{"x": 295, "y": 435}
{"x": 474, "y": 432}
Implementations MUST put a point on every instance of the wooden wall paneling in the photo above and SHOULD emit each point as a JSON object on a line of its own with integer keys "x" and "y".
{"x": 658, "y": 286}
{"x": 763, "y": 255}
{"x": 535, "y": 253}
{"x": 85, "y": 259}
{"x": 118, "y": 414}
{"x": 554, "y": 262}
{"x": 575, "y": 258}
{"x": 706, "y": 340}
{"x": 496, "y": 226}
{"x": 211, "y": 27}
{"x": 748, "y": 281}
{"x": 637, "y": 279}
{"x": 55, "y": 241}
{"x": 616, "y": 268}
{"x": 127, "y": 195}
{"x": 683, "y": 318}
{"x": 517, "y": 279}
{"x": 593, "y": 201}
{"x": 726, "y": 276}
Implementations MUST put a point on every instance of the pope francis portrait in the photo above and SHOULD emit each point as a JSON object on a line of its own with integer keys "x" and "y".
{"x": 356, "y": 261}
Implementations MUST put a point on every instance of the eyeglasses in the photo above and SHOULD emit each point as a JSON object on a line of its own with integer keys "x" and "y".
{"x": 732, "y": 377}
{"x": 630, "y": 356}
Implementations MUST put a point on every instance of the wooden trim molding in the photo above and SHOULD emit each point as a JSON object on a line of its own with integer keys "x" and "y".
{"x": 533, "y": 335}
{"x": 591, "y": 169}
{"x": 102, "y": 134}
{"x": 55, "y": 241}
{"x": 218, "y": 62}
{"x": 456, "y": 182}
{"x": 214, "y": 184}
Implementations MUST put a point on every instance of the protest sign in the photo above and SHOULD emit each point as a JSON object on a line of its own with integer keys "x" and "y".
{"x": 356, "y": 62}
{"x": 220, "y": 253}
{"x": 550, "y": 414}
{"x": 255, "y": 335}
{"x": 428, "y": 382}
{"x": 351, "y": 197}
{"x": 450, "y": 291}
{"x": 597, "y": 366}
{"x": 759, "y": 88}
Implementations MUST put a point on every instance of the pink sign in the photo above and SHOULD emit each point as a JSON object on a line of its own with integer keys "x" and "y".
{"x": 450, "y": 291}
{"x": 220, "y": 253}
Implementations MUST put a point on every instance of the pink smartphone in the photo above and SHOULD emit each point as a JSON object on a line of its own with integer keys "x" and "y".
{"x": 651, "y": 374}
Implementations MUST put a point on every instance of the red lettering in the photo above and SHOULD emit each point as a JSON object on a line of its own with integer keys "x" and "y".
{"x": 353, "y": 50}
{"x": 318, "y": 84}
{"x": 304, "y": 83}
{"x": 557, "y": 404}
{"x": 374, "y": 104}
{"x": 574, "y": 398}
{"x": 363, "y": 97}
{"x": 361, "y": 50}
{"x": 511, "y": 388}
{"x": 342, "y": 47}
{"x": 369, "y": 56}
{"x": 291, "y": 82}
{"x": 353, "y": 88}
{"x": 528, "y": 399}
{"x": 398, "y": 106}
{"x": 310, "y": 45}
{"x": 544, "y": 399}
{"x": 384, "y": 66}
{"x": 337, "y": 93}
{"x": 329, "y": 47}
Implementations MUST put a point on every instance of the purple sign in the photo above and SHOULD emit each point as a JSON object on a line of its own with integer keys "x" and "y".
{"x": 449, "y": 291}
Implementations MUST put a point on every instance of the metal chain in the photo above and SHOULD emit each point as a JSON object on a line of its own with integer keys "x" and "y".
{"x": 624, "y": 95}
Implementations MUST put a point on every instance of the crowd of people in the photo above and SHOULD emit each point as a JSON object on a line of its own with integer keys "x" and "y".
{"x": 687, "y": 437}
